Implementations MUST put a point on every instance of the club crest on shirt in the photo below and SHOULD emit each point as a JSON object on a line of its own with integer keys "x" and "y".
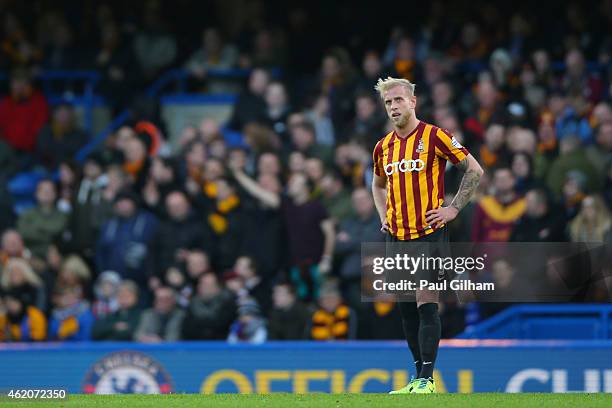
{"x": 420, "y": 148}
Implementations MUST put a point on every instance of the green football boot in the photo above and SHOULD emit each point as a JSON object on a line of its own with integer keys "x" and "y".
{"x": 408, "y": 388}
{"x": 424, "y": 386}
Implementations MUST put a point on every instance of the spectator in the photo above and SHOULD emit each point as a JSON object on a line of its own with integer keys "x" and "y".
{"x": 125, "y": 241}
{"x": 493, "y": 151}
{"x": 61, "y": 52}
{"x": 593, "y": 221}
{"x": 250, "y": 105}
{"x": 163, "y": 178}
{"x": 574, "y": 191}
{"x": 522, "y": 168}
{"x": 197, "y": 264}
{"x": 263, "y": 221}
{"x": 303, "y": 139}
{"x": 137, "y": 163}
{"x": 250, "y": 327}
{"x": 267, "y": 49}
{"x": 186, "y": 231}
{"x": 69, "y": 174}
{"x": 61, "y": 139}
{"x": 310, "y": 233}
{"x": 360, "y": 228}
{"x": 17, "y": 47}
{"x": 210, "y": 313}
{"x": 74, "y": 273}
{"x": 403, "y": 59}
{"x": 116, "y": 62}
{"x": 336, "y": 198}
{"x": 7, "y": 211}
{"x": 495, "y": 215}
{"x": 277, "y": 108}
{"x": 572, "y": 158}
{"x": 213, "y": 54}
{"x": 371, "y": 70}
{"x": 19, "y": 278}
{"x": 336, "y": 81}
{"x": 542, "y": 221}
{"x": 71, "y": 319}
{"x": 154, "y": 47}
{"x": 22, "y": 113}
{"x": 577, "y": 81}
{"x": 259, "y": 290}
{"x": 268, "y": 163}
{"x": 488, "y": 108}
{"x": 332, "y": 320}
{"x": 320, "y": 117}
{"x": 92, "y": 206}
{"x": 568, "y": 118}
{"x": 225, "y": 221}
{"x": 289, "y": 317}
{"x": 105, "y": 292}
{"x": 12, "y": 247}
{"x": 369, "y": 122}
{"x": 600, "y": 154}
{"x": 378, "y": 320}
{"x": 315, "y": 170}
{"x": 41, "y": 224}
{"x": 120, "y": 325}
{"x": 21, "y": 322}
{"x": 163, "y": 321}
{"x": 176, "y": 280}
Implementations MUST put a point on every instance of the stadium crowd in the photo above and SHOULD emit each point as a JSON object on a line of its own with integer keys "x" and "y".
{"x": 151, "y": 241}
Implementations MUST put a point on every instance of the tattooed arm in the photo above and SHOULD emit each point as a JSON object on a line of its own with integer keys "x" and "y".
{"x": 469, "y": 182}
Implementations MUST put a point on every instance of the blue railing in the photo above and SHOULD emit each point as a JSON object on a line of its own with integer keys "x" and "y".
{"x": 177, "y": 77}
{"x": 537, "y": 321}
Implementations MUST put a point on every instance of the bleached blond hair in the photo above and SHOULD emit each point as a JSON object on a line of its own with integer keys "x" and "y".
{"x": 383, "y": 85}
{"x": 17, "y": 263}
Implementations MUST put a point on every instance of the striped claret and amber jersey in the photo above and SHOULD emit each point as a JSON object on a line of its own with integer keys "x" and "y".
{"x": 414, "y": 167}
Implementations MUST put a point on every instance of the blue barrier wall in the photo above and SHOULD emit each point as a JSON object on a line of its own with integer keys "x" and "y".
{"x": 464, "y": 366}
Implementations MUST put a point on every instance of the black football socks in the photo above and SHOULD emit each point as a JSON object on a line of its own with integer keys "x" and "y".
{"x": 410, "y": 324}
{"x": 429, "y": 333}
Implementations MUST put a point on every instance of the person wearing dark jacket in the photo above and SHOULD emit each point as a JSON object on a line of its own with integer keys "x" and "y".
{"x": 120, "y": 325}
{"x": 378, "y": 320}
{"x": 91, "y": 207}
{"x": 541, "y": 222}
{"x": 363, "y": 227}
{"x": 250, "y": 105}
{"x": 289, "y": 318}
{"x": 263, "y": 227}
{"x": 61, "y": 139}
{"x": 125, "y": 241}
{"x": 211, "y": 312}
{"x": 179, "y": 233}
{"x": 246, "y": 269}
{"x": 225, "y": 219}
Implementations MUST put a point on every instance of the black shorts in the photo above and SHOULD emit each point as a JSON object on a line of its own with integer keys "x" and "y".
{"x": 436, "y": 244}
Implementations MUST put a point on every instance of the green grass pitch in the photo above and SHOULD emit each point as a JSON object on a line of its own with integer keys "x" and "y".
{"x": 325, "y": 400}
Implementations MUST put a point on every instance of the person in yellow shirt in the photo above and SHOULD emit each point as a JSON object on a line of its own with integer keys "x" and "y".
{"x": 21, "y": 322}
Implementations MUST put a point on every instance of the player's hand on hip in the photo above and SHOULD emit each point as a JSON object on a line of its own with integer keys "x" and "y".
{"x": 441, "y": 216}
{"x": 384, "y": 228}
